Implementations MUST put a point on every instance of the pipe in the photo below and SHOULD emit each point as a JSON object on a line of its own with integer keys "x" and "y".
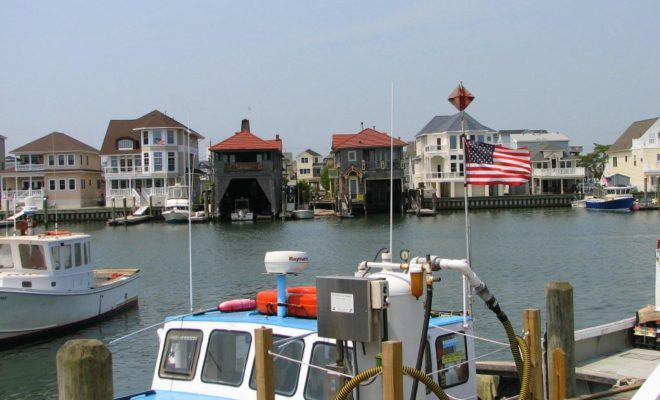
{"x": 281, "y": 295}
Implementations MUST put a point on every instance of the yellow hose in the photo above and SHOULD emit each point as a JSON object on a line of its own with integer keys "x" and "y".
{"x": 526, "y": 371}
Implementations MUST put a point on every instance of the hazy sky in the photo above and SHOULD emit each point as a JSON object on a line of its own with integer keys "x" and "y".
{"x": 308, "y": 69}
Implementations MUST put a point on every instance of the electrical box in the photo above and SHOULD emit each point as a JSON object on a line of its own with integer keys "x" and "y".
{"x": 379, "y": 293}
{"x": 346, "y": 308}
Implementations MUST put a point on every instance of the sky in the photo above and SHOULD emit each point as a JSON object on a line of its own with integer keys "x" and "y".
{"x": 309, "y": 69}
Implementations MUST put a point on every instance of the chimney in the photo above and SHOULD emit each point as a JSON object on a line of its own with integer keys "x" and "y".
{"x": 245, "y": 125}
{"x": 277, "y": 137}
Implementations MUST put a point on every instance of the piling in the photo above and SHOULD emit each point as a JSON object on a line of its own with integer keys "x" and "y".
{"x": 205, "y": 195}
{"x": 532, "y": 325}
{"x": 125, "y": 211}
{"x": 84, "y": 370}
{"x": 45, "y": 208}
{"x": 151, "y": 207}
{"x": 560, "y": 330}
{"x": 392, "y": 370}
{"x": 263, "y": 341}
{"x": 113, "y": 208}
{"x": 558, "y": 377}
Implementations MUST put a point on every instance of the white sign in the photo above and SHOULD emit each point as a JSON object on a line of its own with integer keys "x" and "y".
{"x": 342, "y": 302}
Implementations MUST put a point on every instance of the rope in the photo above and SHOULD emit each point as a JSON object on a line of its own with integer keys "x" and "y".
{"x": 471, "y": 336}
{"x": 275, "y": 355}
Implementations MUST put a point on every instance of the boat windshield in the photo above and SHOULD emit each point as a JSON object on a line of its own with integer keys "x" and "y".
{"x": 286, "y": 372}
{"x": 32, "y": 256}
{"x": 226, "y": 357}
{"x": 6, "y": 260}
{"x": 180, "y": 354}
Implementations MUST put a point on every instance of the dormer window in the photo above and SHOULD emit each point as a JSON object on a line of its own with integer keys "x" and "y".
{"x": 125, "y": 144}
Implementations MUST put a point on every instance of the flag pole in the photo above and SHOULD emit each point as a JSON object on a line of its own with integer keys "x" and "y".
{"x": 467, "y": 301}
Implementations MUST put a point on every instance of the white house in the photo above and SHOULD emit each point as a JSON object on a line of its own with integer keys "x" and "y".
{"x": 308, "y": 168}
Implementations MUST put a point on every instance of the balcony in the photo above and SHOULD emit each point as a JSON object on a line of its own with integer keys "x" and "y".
{"x": 651, "y": 168}
{"x": 124, "y": 171}
{"x": 434, "y": 149}
{"x": 576, "y": 172}
{"x": 442, "y": 176}
{"x": 30, "y": 167}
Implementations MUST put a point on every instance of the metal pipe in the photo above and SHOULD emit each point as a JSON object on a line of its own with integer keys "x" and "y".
{"x": 281, "y": 295}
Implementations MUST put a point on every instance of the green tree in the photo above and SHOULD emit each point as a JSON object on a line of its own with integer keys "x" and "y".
{"x": 325, "y": 180}
{"x": 595, "y": 161}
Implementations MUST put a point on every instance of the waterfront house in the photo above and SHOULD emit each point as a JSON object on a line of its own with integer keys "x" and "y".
{"x": 362, "y": 164}
{"x": 308, "y": 168}
{"x": 64, "y": 170}
{"x": 142, "y": 157}
{"x": 555, "y": 163}
{"x": 437, "y": 161}
{"x": 247, "y": 166}
{"x": 634, "y": 159}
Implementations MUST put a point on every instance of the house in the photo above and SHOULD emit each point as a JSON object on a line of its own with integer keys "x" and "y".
{"x": 362, "y": 165}
{"x": 142, "y": 157}
{"x": 555, "y": 164}
{"x": 437, "y": 161}
{"x": 247, "y": 166}
{"x": 308, "y": 168}
{"x": 635, "y": 156}
{"x": 64, "y": 170}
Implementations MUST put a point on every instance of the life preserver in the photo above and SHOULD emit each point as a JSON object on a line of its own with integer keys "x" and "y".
{"x": 301, "y": 302}
{"x": 57, "y": 233}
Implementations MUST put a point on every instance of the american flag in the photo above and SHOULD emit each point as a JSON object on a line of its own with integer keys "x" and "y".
{"x": 488, "y": 164}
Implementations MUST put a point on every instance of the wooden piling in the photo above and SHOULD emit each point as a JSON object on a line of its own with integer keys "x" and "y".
{"x": 532, "y": 325}
{"x": 84, "y": 370}
{"x": 205, "y": 195}
{"x": 113, "y": 208}
{"x": 558, "y": 377}
{"x": 560, "y": 330}
{"x": 392, "y": 370}
{"x": 45, "y": 208}
{"x": 125, "y": 211}
{"x": 263, "y": 341}
{"x": 151, "y": 207}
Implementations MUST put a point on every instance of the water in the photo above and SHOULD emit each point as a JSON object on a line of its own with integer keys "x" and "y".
{"x": 607, "y": 257}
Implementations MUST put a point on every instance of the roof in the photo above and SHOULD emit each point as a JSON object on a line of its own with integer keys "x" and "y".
{"x": 55, "y": 141}
{"x": 452, "y": 123}
{"x": 311, "y": 152}
{"x": 130, "y": 128}
{"x": 366, "y": 138}
{"x": 634, "y": 131}
{"x": 245, "y": 140}
{"x": 538, "y": 136}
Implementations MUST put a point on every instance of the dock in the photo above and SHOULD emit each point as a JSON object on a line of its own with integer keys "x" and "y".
{"x": 129, "y": 220}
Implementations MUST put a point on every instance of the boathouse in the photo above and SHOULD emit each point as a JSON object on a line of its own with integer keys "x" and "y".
{"x": 248, "y": 167}
{"x": 362, "y": 162}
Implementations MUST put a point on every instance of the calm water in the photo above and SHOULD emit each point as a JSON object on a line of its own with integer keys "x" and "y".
{"x": 608, "y": 258}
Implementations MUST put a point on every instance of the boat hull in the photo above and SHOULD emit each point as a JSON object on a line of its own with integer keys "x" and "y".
{"x": 618, "y": 204}
{"x": 28, "y": 312}
{"x": 303, "y": 214}
{"x": 174, "y": 217}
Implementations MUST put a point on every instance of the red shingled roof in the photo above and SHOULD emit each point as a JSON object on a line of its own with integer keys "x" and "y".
{"x": 367, "y": 138}
{"x": 245, "y": 140}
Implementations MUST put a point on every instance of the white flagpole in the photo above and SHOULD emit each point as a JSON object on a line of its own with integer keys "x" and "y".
{"x": 391, "y": 165}
{"x": 467, "y": 305}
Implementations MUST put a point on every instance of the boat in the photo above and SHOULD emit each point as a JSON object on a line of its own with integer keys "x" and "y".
{"x": 177, "y": 204}
{"x": 242, "y": 210}
{"x": 47, "y": 284}
{"x": 324, "y": 335}
{"x": 615, "y": 198}
{"x": 303, "y": 214}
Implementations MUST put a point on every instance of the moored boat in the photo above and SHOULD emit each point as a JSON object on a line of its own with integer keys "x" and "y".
{"x": 242, "y": 211}
{"x": 47, "y": 284}
{"x": 177, "y": 204}
{"x": 616, "y": 198}
{"x": 303, "y": 214}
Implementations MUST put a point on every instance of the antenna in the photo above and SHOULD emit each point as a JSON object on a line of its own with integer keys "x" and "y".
{"x": 190, "y": 185}
{"x": 391, "y": 164}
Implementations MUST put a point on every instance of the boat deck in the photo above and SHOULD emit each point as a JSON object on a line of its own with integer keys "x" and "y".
{"x": 631, "y": 363}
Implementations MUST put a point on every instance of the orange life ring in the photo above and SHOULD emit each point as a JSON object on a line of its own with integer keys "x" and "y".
{"x": 301, "y": 302}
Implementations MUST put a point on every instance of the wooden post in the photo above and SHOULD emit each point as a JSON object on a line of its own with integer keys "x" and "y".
{"x": 113, "y": 209}
{"x": 84, "y": 370}
{"x": 151, "y": 207}
{"x": 45, "y": 208}
{"x": 558, "y": 377}
{"x": 263, "y": 341}
{"x": 392, "y": 370}
{"x": 560, "y": 330}
{"x": 125, "y": 210}
{"x": 532, "y": 325}
{"x": 205, "y": 195}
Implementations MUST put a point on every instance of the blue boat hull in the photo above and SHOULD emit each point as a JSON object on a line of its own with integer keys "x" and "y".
{"x": 620, "y": 204}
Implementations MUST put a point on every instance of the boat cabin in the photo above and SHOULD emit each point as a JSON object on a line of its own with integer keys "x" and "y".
{"x": 59, "y": 261}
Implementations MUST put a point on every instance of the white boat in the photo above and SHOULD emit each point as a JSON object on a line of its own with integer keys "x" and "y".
{"x": 177, "y": 204}
{"x": 211, "y": 354}
{"x": 303, "y": 214}
{"x": 242, "y": 210}
{"x": 47, "y": 284}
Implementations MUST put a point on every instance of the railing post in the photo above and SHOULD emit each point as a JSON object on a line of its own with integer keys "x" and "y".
{"x": 263, "y": 340}
{"x": 84, "y": 370}
{"x": 392, "y": 370}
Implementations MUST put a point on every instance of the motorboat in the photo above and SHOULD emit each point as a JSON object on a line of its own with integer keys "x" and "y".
{"x": 242, "y": 211}
{"x": 47, "y": 284}
{"x": 323, "y": 335}
{"x": 177, "y": 204}
{"x": 615, "y": 198}
{"x": 303, "y": 214}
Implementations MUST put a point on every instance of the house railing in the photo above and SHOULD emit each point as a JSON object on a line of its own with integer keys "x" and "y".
{"x": 652, "y": 167}
{"x": 442, "y": 175}
{"x": 137, "y": 170}
{"x": 243, "y": 166}
{"x": 21, "y": 195}
{"x": 435, "y": 148}
{"x": 30, "y": 167}
{"x": 576, "y": 172}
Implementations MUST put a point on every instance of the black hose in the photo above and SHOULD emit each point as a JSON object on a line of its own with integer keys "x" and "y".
{"x": 422, "y": 340}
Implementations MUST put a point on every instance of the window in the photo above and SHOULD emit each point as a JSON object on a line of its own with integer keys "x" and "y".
{"x": 226, "y": 357}
{"x": 77, "y": 252}
{"x": 6, "y": 261}
{"x": 71, "y": 159}
{"x": 170, "y": 137}
{"x": 145, "y": 159}
{"x": 625, "y": 159}
{"x": 72, "y": 184}
{"x": 32, "y": 256}
{"x": 451, "y": 357}
{"x": 180, "y": 354}
{"x": 62, "y": 184}
{"x": 158, "y": 161}
{"x": 123, "y": 144}
{"x": 51, "y": 160}
{"x": 88, "y": 256}
{"x": 55, "y": 256}
{"x": 52, "y": 185}
{"x": 352, "y": 155}
{"x": 66, "y": 256}
{"x": 614, "y": 161}
{"x": 60, "y": 159}
{"x": 145, "y": 137}
{"x": 480, "y": 138}
{"x": 322, "y": 355}
{"x": 83, "y": 184}
{"x": 304, "y": 160}
{"x": 286, "y": 372}
{"x": 171, "y": 161}
{"x": 158, "y": 139}
{"x": 453, "y": 142}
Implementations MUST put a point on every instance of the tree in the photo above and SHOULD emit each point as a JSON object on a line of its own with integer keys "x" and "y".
{"x": 595, "y": 161}
{"x": 325, "y": 179}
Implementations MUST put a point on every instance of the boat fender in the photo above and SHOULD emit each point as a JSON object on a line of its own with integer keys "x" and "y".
{"x": 237, "y": 305}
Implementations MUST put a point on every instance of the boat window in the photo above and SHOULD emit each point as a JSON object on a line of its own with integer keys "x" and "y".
{"x": 86, "y": 253}
{"x": 226, "y": 356}
{"x": 180, "y": 354}
{"x": 323, "y": 354}
{"x": 286, "y": 372}
{"x": 77, "y": 251}
{"x": 32, "y": 256}
{"x": 451, "y": 356}
{"x": 66, "y": 255}
{"x": 6, "y": 260}
{"x": 55, "y": 256}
